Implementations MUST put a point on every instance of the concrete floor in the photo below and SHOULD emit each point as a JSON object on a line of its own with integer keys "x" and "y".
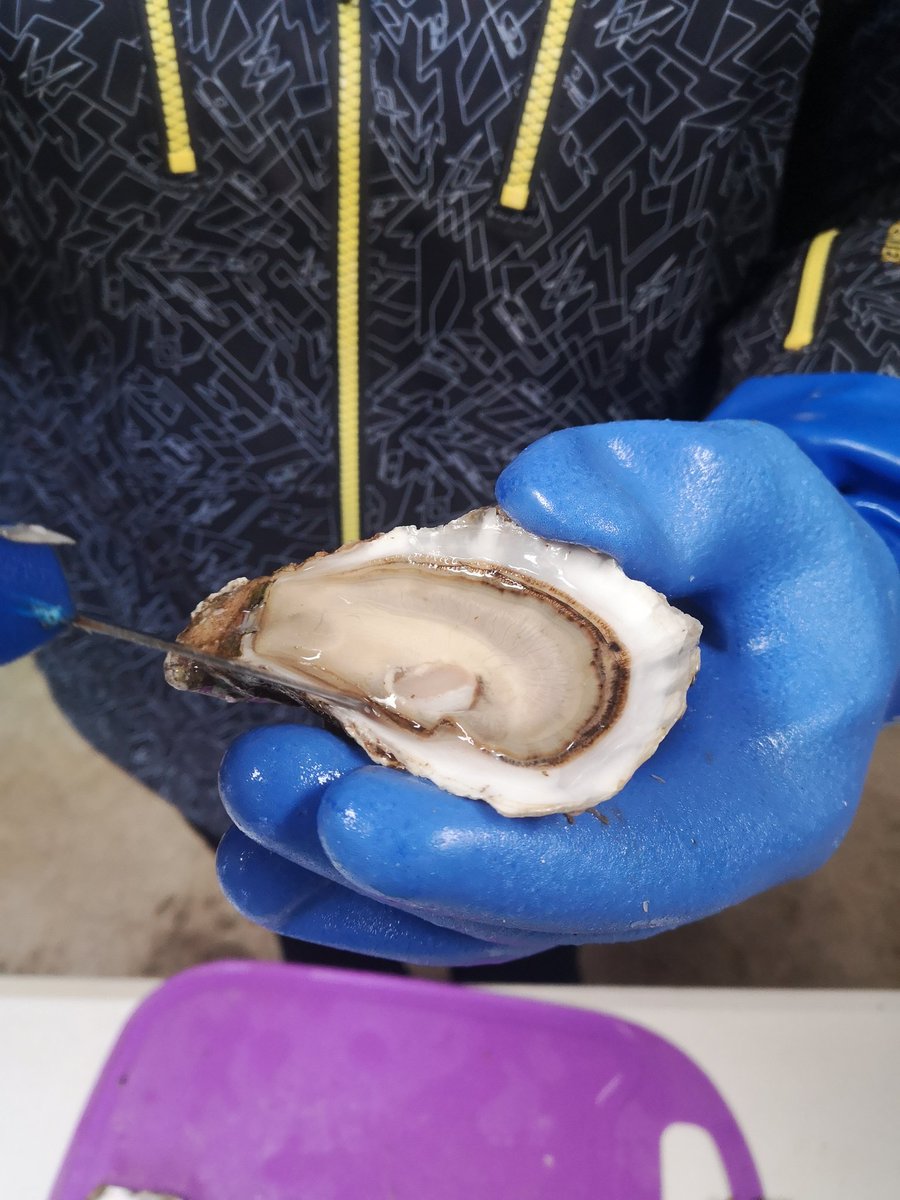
{"x": 100, "y": 877}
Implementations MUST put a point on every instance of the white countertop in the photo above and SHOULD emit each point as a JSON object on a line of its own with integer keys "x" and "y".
{"x": 812, "y": 1077}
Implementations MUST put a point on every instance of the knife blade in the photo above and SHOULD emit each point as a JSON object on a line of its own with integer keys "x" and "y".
{"x": 215, "y": 663}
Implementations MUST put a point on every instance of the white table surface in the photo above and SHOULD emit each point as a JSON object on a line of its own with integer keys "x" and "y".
{"x": 812, "y": 1077}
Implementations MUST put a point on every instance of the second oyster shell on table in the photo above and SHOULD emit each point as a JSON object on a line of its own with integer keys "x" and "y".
{"x": 531, "y": 674}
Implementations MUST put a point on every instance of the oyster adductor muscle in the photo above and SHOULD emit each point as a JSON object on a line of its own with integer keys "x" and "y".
{"x": 534, "y": 675}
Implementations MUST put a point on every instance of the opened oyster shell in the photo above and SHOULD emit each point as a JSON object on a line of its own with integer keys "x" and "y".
{"x": 534, "y": 675}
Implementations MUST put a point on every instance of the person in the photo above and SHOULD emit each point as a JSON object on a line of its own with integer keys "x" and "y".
{"x": 278, "y": 276}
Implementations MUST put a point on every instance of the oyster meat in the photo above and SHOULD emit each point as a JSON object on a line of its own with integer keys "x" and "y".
{"x": 534, "y": 675}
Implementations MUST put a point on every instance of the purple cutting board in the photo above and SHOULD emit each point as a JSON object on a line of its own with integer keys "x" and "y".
{"x": 259, "y": 1081}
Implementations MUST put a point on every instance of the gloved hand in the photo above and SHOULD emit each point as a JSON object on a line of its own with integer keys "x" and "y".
{"x": 34, "y": 598}
{"x": 755, "y": 785}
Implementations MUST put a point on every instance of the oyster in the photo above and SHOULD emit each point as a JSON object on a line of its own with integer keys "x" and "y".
{"x": 531, "y": 674}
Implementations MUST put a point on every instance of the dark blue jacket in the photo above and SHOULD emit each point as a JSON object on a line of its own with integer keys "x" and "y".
{"x": 200, "y": 273}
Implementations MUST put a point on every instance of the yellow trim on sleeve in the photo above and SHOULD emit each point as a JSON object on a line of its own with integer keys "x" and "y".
{"x": 809, "y": 294}
{"x": 517, "y": 185}
{"x": 349, "y": 110}
{"x": 179, "y": 151}
{"x": 890, "y": 251}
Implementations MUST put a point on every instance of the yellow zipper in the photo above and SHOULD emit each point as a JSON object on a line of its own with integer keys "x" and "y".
{"x": 348, "y": 125}
{"x": 517, "y": 184}
{"x": 179, "y": 151}
{"x": 809, "y": 294}
{"x": 890, "y": 251}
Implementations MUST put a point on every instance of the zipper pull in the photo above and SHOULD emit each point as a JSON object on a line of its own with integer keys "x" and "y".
{"x": 517, "y": 184}
{"x": 179, "y": 151}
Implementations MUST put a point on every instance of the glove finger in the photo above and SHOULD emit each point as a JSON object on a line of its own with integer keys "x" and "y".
{"x": 272, "y": 780}
{"x": 34, "y": 598}
{"x": 296, "y": 903}
{"x": 686, "y": 507}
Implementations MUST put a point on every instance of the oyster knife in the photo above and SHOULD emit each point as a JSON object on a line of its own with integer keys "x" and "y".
{"x": 225, "y": 667}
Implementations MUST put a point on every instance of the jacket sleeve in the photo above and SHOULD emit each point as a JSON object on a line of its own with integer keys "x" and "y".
{"x": 831, "y": 304}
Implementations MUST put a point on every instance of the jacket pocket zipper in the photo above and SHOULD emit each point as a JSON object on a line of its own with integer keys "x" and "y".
{"x": 349, "y": 116}
{"x": 809, "y": 293}
{"x": 517, "y": 184}
{"x": 179, "y": 151}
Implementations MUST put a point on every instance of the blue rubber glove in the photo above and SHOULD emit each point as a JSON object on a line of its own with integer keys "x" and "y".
{"x": 849, "y": 425}
{"x": 34, "y": 598}
{"x": 757, "y": 783}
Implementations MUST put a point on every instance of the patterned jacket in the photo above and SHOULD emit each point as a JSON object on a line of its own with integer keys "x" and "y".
{"x": 277, "y": 270}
